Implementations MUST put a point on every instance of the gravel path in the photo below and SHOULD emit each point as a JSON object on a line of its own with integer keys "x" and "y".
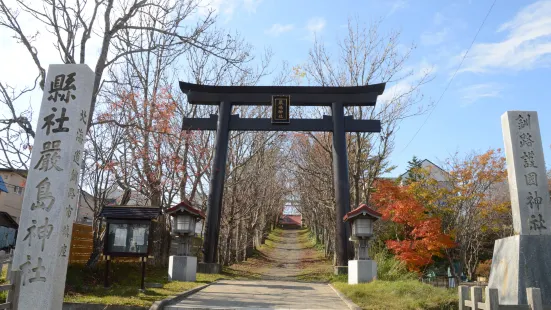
{"x": 284, "y": 257}
{"x": 276, "y": 288}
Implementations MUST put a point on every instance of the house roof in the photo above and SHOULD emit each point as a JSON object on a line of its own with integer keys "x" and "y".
{"x": 287, "y": 219}
{"x": 21, "y": 172}
{"x": 134, "y": 212}
{"x": 425, "y": 160}
{"x": 7, "y": 220}
{"x": 363, "y": 209}
{"x": 186, "y": 207}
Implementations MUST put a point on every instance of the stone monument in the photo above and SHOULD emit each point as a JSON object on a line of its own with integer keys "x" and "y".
{"x": 51, "y": 193}
{"x": 524, "y": 260}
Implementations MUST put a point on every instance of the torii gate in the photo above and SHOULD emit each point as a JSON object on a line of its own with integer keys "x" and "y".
{"x": 279, "y": 97}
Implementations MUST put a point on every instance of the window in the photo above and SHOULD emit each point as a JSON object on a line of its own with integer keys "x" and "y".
{"x": 18, "y": 190}
{"x": 183, "y": 223}
{"x": 128, "y": 238}
{"x": 362, "y": 227}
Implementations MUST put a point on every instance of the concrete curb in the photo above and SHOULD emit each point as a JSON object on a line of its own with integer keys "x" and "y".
{"x": 161, "y": 304}
{"x": 351, "y": 305}
{"x": 84, "y": 306}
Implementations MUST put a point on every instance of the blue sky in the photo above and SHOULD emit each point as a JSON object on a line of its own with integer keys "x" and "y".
{"x": 508, "y": 67}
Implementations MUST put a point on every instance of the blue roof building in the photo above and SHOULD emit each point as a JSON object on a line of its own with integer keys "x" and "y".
{"x": 3, "y": 187}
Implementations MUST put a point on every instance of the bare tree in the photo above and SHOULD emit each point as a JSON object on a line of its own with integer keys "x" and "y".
{"x": 16, "y": 131}
{"x": 118, "y": 26}
{"x": 99, "y": 177}
{"x": 365, "y": 56}
{"x": 255, "y": 191}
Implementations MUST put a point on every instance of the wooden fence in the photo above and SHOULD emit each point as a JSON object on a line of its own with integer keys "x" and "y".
{"x": 473, "y": 298}
{"x": 81, "y": 243}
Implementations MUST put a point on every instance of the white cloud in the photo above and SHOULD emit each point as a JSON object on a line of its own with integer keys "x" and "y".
{"x": 394, "y": 91}
{"x": 439, "y": 18}
{"x": 221, "y": 7}
{"x": 528, "y": 43}
{"x": 434, "y": 38}
{"x": 475, "y": 92}
{"x": 278, "y": 29}
{"x": 251, "y": 5}
{"x": 315, "y": 25}
{"x": 227, "y": 8}
{"x": 404, "y": 86}
{"x": 397, "y": 5}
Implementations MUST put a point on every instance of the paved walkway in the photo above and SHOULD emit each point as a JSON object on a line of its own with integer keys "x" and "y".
{"x": 277, "y": 288}
{"x": 263, "y": 294}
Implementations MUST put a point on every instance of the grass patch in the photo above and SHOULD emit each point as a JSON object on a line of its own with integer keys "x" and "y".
{"x": 397, "y": 288}
{"x": 275, "y": 237}
{"x": 85, "y": 285}
{"x": 402, "y": 295}
{"x": 246, "y": 270}
{"x": 315, "y": 267}
{"x": 4, "y": 280}
{"x": 389, "y": 268}
{"x": 249, "y": 269}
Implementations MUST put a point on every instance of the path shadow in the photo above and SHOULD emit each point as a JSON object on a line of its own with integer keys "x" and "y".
{"x": 274, "y": 286}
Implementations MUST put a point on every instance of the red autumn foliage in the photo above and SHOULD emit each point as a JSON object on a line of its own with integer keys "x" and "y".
{"x": 422, "y": 237}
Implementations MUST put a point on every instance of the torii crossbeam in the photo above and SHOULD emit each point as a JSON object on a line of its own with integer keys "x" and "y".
{"x": 227, "y": 96}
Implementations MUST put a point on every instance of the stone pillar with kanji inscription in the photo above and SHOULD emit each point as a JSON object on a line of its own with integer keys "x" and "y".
{"x": 524, "y": 260}
{"x": 51, "y": 193}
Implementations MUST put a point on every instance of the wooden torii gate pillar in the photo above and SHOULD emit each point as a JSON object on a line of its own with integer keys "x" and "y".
{"x": 227, "y": 96}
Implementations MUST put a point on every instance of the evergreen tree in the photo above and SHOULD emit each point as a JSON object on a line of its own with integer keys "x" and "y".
{"x": 414, "y": 173}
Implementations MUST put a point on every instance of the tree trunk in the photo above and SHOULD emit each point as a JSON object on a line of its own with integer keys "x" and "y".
{"x": 97, "y": 244}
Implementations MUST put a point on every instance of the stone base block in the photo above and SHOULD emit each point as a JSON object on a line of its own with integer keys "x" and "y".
{"x": 211, "y": 268}
{"x": 182, "y": 268}
{"x": 337, "y": 270}
{"x": 519, "y": 262}
{"x": 361, "y": 271}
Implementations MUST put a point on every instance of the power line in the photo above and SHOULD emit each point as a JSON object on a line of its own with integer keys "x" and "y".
{"x": 453, "y": 76}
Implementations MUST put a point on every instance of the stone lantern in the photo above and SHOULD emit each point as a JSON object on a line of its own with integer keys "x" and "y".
{"x": 183, "y": 265}
{"x": 361, "y": 269}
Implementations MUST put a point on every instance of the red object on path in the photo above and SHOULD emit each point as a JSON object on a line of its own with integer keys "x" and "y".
{"x": 290, "y": 220}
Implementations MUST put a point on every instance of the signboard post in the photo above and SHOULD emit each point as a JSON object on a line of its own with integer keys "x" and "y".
{"x": 127, "y": 234}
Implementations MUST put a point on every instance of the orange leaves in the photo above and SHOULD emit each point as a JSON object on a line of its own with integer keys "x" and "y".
{"x": 423, "y": 236}
{"x": 153, "y": 140}
{"x": 108, "y": 166}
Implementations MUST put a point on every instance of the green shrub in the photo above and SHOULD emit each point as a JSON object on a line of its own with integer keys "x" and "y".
{"x": 391, "y": 269}
{"x": 483, "y": 268}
